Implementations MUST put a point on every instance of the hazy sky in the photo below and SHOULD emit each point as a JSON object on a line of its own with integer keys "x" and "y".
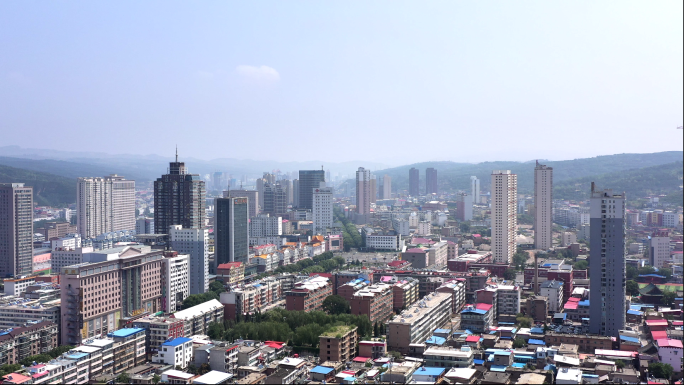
{"x": 396, "y": 82}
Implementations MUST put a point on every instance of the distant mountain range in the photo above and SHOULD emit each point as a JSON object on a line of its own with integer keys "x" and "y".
{"x": 54, "y": 179}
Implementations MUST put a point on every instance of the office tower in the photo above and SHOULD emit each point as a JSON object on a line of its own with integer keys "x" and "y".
{"x": 475, "y": 189}
{"x": 16, "y": 229}
{"x": 504, "y": 216}
{"x": 543, "y": 205}
{"x": 275, "y": 199}
{"x": 104, "y": 205}
{"x": 217, "y": 181}
{"x": 260, "y": 192}
{"x": 194, "y": 243}
{"x": 295, "y": 193}
{"x": 175, "y": 281}
{"x": 430, "y": 181}
{"x": 231, "y": 229}
{"x": 109, "y": 285}
{"x": 363, "y": 191}
{"x": 322, "y": 209}
{"x": 659, "y": 248}
{"x": 464, "y": 207}
{"x": 309, "y": 180}
{"x": 386, "y": 187}
{"x": 414, "y": 182}
{"x": 607, "y": 263}
{"x": 179, "y": 199}
{"x": 287, "y": 187}
{"x": 373, "y": 189}
{"x": 144, "y": 226}
{"x": 251, "y": 195}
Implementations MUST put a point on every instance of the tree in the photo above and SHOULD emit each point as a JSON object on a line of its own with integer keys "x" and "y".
{"x": 620, "y": 364}
{"x": 56, "y": 352}
{"x": 524, "y": 322}
{"x": 518, "y": 343}
{"x": 40, "y": 358}
{"x": 464, "y": 227}
{"x": 156, "y": 378}
{"x": 520, "y": 259}
{"x": 661, "y": 370}
{"x": 668, "y": 298}
{"x": 665, "y": 272}
{"x": 203, "y": 369}
{"x": 9, "y": 368}
{"x": 580, "y": 265}
{"x": 216, "y": 330}
{"x": 632, "y": 288}
{"x": 509, "y": 274}
{"x": 217, "y": 287}
{"x": 123, "y": 378}
{"x": 632, "y": 272}
{"x": 396, "y": 355}
{"x": 336, "y": 304}
{"x": 646, "y": 270}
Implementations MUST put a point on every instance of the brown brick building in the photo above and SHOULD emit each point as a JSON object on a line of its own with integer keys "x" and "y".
{"x": 338, "y": 344}
{"x": 308, "y": 295}
{"x": 376, "y": 301}
{"x": 586, "y": 343}
{"x": 28, "y": 341}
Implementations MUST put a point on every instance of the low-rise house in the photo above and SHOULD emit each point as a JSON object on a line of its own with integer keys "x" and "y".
{"x": 177, "y": 352}
{"x": 448, "y": 357}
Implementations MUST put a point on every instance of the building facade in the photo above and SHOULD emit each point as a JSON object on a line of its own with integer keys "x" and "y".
{"x": 504, "y": 215}
{"x": 104, "y": 205}
{"x": 195, "y": 244}
{"x": 338, "y": 344}
{"x": 322, "y": 210}
{"x": 16, "y": 229}
{"x": 252, "y": 199}
{"x": 543, "y": 206}
{"x": 307, "y": 182}
{"x": 414, "y": 182}
{"x": 430, "y": 181}
{"x": 175, "y": 281}
{"x": 363, "y": 191}
{"x": 179, "y": 199}
{"x": 417, "y": 323}
{"x": 231, "y": 230}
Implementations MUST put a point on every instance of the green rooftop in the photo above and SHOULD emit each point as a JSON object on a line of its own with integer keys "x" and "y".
{"x": 335, "y": 330}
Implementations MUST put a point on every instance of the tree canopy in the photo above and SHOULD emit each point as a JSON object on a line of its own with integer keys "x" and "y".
{"x": 336, "y": 304}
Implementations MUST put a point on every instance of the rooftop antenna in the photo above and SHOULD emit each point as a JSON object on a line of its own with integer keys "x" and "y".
{"x": 176, "y": 153}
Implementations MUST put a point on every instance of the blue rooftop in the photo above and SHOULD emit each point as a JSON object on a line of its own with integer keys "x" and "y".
{"x": 584, "y": 303}
{"x": 561, "y": 315}
{"x": 537, "y": 330}
{"x": 429, "y": 371}
{"x": 532, "y": 341}
{"x": 634, "y": 312}
{"x": 498, "y": 368}
{"x": 478, "y": 362}
{"x": 442, "y": 331}
{"x": 76, "y": 356}
{"x": 434, "y": 340}
{"x": 629, "y": 339}
{"x": 177, "y": 341}
{"x": 321, "y": 370}
{"x": 518, "y": 365}
{"x": 652, "y": 275}
{"x": 502, "y": 353}
{"x": 476, "y": 311}
{"x": 126, "y": 332}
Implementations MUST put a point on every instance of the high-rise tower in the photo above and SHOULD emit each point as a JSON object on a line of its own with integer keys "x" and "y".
{"x": 504, "y": 215}
{"x": 363, "y": 191}
{"x": 607, "y": 263}
{"x": 543, "y": 205}
{"x": 104, "y": 205}
{"x": 231, "y": 227}
{"x": 414, "y": 182}
{"x": 475, "y": 189}
{"x": 179, "y": 199}
{"x": 430, "y": 181}
{"x": 308, "y": 180}
{"x": 16, "y": 229}
{"x": 385, "y": 190}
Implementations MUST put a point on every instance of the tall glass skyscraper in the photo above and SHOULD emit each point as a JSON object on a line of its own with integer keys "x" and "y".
{"x": 231, "y": 228}
{"x": 309, "y": 180}
{"x": 179, "y": 199}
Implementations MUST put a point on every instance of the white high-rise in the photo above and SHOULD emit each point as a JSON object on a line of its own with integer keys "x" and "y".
{"x": 504, "y": 215}
{"x": 543, "y": 205}
{"x": 475, "y": 189}
{"x": 264, "y": 225}
{"x": 386, "y": 187}
{"x": 195, "y": 243}
{"x": 363, "y": 191}
{"x": 175, "y": 281}
{"x": 322, "y": 209}
{"x": 659, "y": 248}
{"x": 104, "y": 205}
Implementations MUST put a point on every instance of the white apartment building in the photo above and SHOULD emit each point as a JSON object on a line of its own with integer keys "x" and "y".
{"x": 322, "y": 210}
{"x": 12, "y": 316}
{"x": 659, "y": 248}
{"x": 175, "y": 281}
{"x": 504, "y": 215}
{"x": 671, "y": 219}
{"x": 444, "y": 357}
{"x": 413, "y": 220}
{"x": 475, "y": 189}
{"x": 553, "y": 290}
{"x": 104, "y": 205}
{"x": 401, "y": 226}
{"x": 543, "y": 206}
{"x": 177, "y": 353}
{"x": 66, "y": 256}
{"x": 437, "y": 254}
{"x": 72, "y": 242}
{"x": 384, "y": 242}
{"x": 264, "y": 225}
{"x": 568, "y": 238}
{"x": 418, "y": 322}
{"x": 424, "y": 228}
{"x": 195, "y": 243}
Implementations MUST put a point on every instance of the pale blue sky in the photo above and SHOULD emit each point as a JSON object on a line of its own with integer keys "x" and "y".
{"x": 396, "y": 82}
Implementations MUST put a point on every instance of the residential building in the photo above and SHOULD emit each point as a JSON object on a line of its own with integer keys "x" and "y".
{"x": 416, "y": 323}
{"x": 363, "y": 191}
{"x": 129, "y": 348}
{"x": 444, "y": 357}
{"x": 477, "y": 318}
{"x": 671, "y": 219}
{"x": 275, "y": 199}
{"x": 553, "y": 290}
{"x": 464, "y": 207}
{"x": 543, "y": 206}
{"x": 455, "y": 287}
{"x": 309, "y": 294}
{"x": 66, "y": 256}
{"x": 568, "y": 238}
{"x": 308, "y": 181}
{"x": 405, "y": 293}
{"x": 607, "y": 263}
{"x": 322, "y": 210}
{"x": 375, "y": 301}
{"x": 55, "y": 230}
{"x": 159, "y": 330}
{"x": 538, "y": 308}
{"x": 475, "y": 189}
{"x": 23, "y": 342}
{"x": 414, "y": 182}
{"x": 401, "y": 226}
{"x": 179, "y": 199}
{"x": 671, "y": 351}
{"x": 385, "y": 187}
{"x": 17, "y": 286}
{"x": 231, "y": 230}
{"x": 16, "y": 230}
{"x": 338, "y": 344}
{"x": 372, "y": 349}
{"x": 198, "y": 317}
{"x": 112, "y": 284}
{"x": 104, "y": 205}
{"x": 231, "y": 272}
{"x": 373, "y": 189}
{"x": 177, "y": 353}
{"x": 417, "y": 257}
{"x": 224, "y": 357}
{"x": 384, "y": 242}
{"x": 195, "y": 244}
{"x": 252, "y": 199}
{"x": 585, "y": 343}
{"x": 430, "y": 181}
{"x": 659, "y": 248}
{"x": 504, "y": 215}
{"x": 175, "y": 281}
{"x": 265, "y": 225}
{"x": 144, "y": 226}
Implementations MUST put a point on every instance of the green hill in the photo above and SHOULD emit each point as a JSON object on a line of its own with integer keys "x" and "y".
{"x": 48, "y": 189}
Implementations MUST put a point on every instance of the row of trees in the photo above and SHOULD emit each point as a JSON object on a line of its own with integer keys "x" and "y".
{"x": 39, "y": 358}
{"x": 215, "y": 290}
{"x": 633, "y": 272}
{"x": 298, "y": 328}
{"x": 352, "y": 237}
